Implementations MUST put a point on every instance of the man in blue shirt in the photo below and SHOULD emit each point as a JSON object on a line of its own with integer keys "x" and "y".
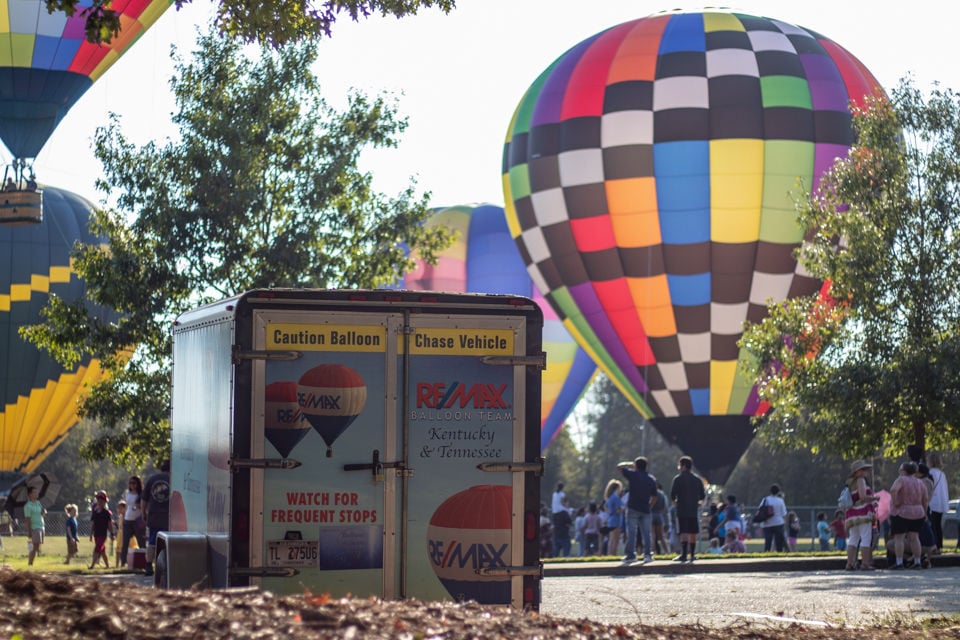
{"x": 643, "y": 493}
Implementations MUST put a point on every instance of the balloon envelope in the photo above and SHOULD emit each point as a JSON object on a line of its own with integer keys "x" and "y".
{"x": 46, "y": 64}
{"x": 39, "y": 397}
{"x": 484, "y": 259}
{"x": 647, "y": 175}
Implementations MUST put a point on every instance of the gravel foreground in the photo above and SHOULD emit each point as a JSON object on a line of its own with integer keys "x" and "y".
{"x": 47, "y": 606}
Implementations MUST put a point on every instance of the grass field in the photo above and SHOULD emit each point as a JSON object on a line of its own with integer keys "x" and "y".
{"x": 53, "y": 555}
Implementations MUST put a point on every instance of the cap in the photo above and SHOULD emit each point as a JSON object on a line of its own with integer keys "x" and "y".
{"x": 101, "y": 494}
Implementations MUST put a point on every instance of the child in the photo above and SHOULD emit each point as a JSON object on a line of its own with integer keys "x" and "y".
{"x": 793, "y": 530}
{"x": 71, "y": 526}
{"x": 733, "y": 543}
{"x": 101, "y": 520}
{"x": 823, "y": 531}
{"x": 839, "y": 529}
{"x": 715, "y": 546}
{"x": 118, "y": 530}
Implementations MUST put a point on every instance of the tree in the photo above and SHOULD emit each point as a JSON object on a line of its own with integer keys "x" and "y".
{"x": 261, "y": 190}
{"x": 876, "y": 363}
{"x": 267, "y": 22}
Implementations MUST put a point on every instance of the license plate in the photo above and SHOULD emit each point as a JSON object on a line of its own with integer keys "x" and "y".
{"x": 292, "y": 553}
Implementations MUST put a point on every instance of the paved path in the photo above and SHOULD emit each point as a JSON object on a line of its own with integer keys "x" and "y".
{"x": 720, "y": 599}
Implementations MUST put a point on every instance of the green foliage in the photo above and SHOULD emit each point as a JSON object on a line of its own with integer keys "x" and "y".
{"x": 887, "y": 341}
{"x": 262, "y": 189}
{"x": 267, "y": 22}
{"x": 79, "y": 482}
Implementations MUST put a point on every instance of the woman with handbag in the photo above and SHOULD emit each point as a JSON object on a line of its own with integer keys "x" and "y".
{"x": 775, "y": 511}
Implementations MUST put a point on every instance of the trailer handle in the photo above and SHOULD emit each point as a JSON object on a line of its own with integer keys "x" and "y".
{"x": 536, "y": 467}
{"x": 376, "y": 466}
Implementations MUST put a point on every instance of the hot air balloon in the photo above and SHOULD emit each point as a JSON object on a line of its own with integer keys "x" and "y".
{"x": 39, "y": 396}
{"x": 331, "y": 396}
{"x": 647, "y": 175}
{"x": 283, "y": 420}
{"x": 484, "y": 259}
{"x": 46, "y": 64}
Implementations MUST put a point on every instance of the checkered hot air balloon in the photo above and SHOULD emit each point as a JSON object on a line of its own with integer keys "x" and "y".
{"x": 648, "y": 175}
{"x": 484, "y": 259}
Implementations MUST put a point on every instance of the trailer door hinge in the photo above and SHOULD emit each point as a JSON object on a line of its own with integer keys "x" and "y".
{"x": 535, "y": 467}
{"x": 260, "y": 354}
{"x": 512, "y": 571}
{"x": 539, "y": 361}
{"x": 236, "y": 464}
{"x": 265, "y": 572}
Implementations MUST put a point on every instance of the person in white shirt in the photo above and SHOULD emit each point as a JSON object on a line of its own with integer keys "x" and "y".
{"x": 939, "y": 499}
{"x": 559, "y": 499}
{"x": 773, "y": 526}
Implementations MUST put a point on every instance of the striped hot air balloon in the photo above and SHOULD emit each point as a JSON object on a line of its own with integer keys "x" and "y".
{"x": 39, "y": 396}
{"x": 647, "y": 175}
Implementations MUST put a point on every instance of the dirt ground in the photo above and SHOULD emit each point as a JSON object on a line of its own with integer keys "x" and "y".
{"x": 46, "y": 606}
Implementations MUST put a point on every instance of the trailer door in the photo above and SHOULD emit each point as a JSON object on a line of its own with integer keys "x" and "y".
{"x": 322, "y": 504}
{"x": 465, "y": 406}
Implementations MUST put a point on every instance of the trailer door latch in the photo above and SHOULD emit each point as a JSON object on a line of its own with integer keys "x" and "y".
{"x": 376, "y": 467}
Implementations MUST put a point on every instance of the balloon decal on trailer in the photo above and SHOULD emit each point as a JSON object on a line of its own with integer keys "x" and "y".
{"x": 648, "y": 175}
{"x": 331, "y": 396}
{"x": 468, "y": 532}
{"x": 283, "y": 419}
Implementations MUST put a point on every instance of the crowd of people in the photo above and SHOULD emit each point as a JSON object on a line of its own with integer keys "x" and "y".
{"x": 142, "y": 512}
{"x": 637, "y": 511}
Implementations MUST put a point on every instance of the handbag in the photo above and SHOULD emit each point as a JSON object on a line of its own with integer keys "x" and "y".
{"x": 764, "y": 512}
{"x": 845, "y": 501}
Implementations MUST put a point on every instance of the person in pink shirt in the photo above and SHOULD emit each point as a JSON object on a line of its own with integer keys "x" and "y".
{"x": 908, "y": 510}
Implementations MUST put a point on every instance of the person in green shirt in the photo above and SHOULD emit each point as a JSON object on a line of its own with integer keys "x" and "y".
{"x": 33, "y": 513}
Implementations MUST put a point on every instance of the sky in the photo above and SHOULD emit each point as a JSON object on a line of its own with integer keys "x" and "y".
{"x": 458, "y": 77}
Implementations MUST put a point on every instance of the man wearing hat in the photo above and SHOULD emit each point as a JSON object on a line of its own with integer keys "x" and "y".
{"x": 860, "y": 517}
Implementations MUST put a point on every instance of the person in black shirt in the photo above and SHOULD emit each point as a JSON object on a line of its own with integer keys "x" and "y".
{"x": 687, "y": 494}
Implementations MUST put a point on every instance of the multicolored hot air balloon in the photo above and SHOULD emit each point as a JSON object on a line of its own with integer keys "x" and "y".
{"x": 46, "y": 64}
{"x": 647, "y": 175}
{"x": 484, "y": 259}
{"x": 39, "y": 397}
{"x": 331, "y": 396}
